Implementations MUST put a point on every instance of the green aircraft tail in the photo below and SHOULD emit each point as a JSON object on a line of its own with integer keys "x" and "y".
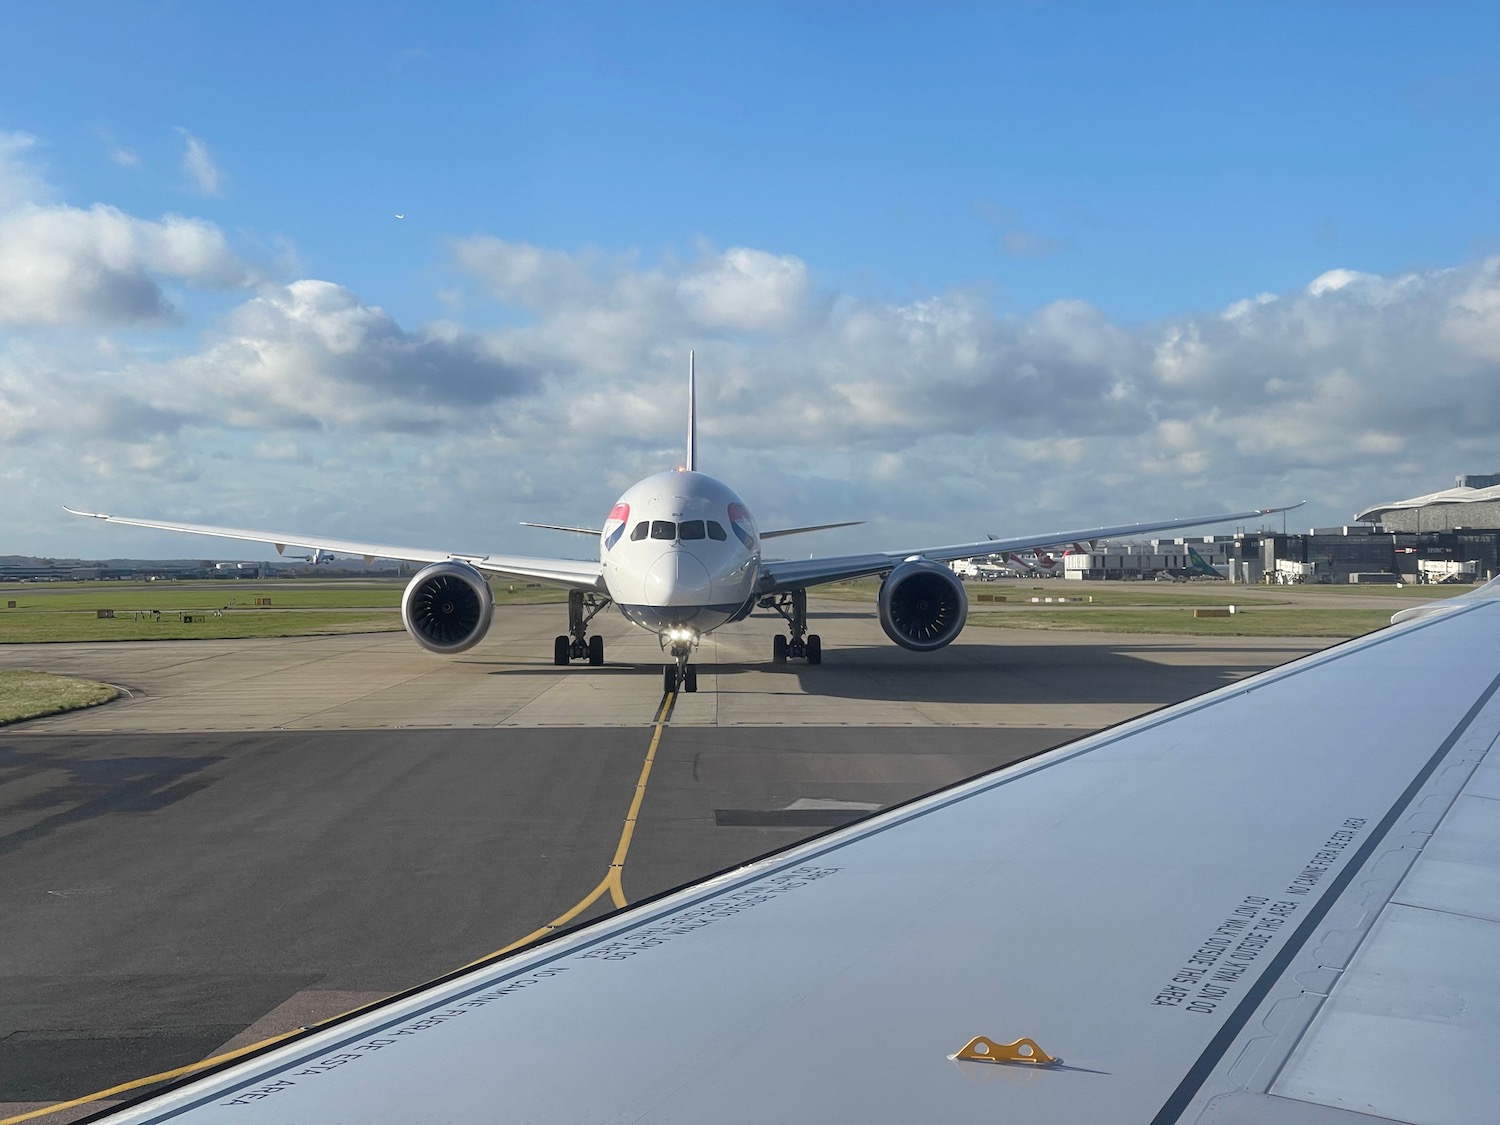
{"x": 1199, "y": 565}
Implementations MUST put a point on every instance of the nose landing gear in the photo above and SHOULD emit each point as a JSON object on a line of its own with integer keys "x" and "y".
{"x": 792, "y": 605}
{"x": 578, "y": 645}
{"x": 679, "y": 678}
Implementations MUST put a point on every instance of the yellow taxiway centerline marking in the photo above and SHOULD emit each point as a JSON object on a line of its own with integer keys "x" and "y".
{"x": 136, "y": 1084}
{"x": 611, "y": 884}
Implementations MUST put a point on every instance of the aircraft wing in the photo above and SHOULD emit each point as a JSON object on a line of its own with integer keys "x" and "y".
{"x": 793, "y": 574}
{"x": 1275, "y": 904}
{"x": 781, "y": 531}
{"x": 573, "y": 574}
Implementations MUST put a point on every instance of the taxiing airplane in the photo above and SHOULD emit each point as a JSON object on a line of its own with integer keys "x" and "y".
{"x": 680, "y": 556}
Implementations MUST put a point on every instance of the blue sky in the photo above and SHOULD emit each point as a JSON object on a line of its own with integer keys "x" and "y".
{"x": 1081, "y": 189}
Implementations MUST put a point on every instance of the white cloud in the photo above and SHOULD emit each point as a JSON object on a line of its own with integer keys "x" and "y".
{"x": 1472, "y": 324}
{"x": 20, "y": 182}
{"x": 310, "y": 355}
{"x": 198, "y": 163}
{"x": 66, "y": 265}
{"x": 1336, "y": 389}
{"x": 528, "y": 276}
{"x": 746, "y": 290}
{"x": 933, "y": 417}
{"x": 118, "y": 154}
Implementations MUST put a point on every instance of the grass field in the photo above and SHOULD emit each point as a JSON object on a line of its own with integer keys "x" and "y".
{"x": 1158, "y": 593}
{"x": 1253, "y": 622}
{"x": 1166, "y": 608}
{"x": 25, "y": 694}
{"x": 67, "y": 611}
{"x": 220, "y": 610}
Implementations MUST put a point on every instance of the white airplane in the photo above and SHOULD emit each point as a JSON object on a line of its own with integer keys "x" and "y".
{"x": 680, "y": 555}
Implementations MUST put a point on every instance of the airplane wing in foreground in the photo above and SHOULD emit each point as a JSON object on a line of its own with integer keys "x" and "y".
{"x": 573, "y": 574}
{"x": 1278, "y": 903}
{"x": 793, "y": 574}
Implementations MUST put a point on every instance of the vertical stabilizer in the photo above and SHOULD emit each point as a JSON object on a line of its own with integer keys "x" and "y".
{"x": 691, "y": 464}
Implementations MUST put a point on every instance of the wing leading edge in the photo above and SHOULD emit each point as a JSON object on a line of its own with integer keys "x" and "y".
{"x": 572, "y": 574}
{"x": 795, "y": 574}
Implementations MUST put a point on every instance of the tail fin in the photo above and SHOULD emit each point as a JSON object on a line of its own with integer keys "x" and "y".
{"x": 691, "y": 464}
{"x": 1200, "y": 564}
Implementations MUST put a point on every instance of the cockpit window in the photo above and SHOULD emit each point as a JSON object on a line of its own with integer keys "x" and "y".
{"x": 716, "y": 530}
{"x": 663, "y": 529}
{"x": 690, "y": 529}
{"x": 638, "y": 532}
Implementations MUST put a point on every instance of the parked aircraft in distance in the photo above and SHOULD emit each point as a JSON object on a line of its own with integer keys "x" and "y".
{"x": 1199, "y": 567}
{"x": 1041, "y": 562}
{"x": 680, "y": 555}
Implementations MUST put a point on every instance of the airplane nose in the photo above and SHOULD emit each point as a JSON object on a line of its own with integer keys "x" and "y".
{"x": 677, "y": 579}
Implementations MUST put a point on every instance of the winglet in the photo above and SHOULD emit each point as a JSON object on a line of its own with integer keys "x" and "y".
{"x": 89, "y": 515}
{"x": 691, "y": 464}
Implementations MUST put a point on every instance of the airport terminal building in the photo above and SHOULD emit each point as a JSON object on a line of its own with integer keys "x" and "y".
{"x": 1473, "y": 503}
{"x": 1448, "y": 536}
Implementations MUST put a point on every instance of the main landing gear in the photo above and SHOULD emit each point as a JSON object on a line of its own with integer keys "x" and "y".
{"x": 578, "y": 645}
{"x": 792, "y": 605}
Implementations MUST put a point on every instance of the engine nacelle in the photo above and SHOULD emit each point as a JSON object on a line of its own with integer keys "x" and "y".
{"x": 923, "y": 605}
{"x": 447, "y": 607}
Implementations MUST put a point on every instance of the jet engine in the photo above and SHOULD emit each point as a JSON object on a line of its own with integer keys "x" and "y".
{"x": 447, "y": 607}
{"x": 922, "y": 605}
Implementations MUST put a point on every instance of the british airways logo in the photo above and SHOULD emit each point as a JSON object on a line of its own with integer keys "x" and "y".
{"x": 614, "y": 527}
{"x": 740, "y": 521}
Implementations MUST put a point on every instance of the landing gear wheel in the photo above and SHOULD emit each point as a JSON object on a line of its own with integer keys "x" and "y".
{"x": 792, "y": 605}
{"x": 690, "y": 678}
{"x": 669, "y": 679}
{"x": 578, "y": 645}
{"x": 560, "y": 650}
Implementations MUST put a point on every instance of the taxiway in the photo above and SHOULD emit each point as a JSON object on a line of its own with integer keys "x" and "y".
{"x": 265, "y": 833}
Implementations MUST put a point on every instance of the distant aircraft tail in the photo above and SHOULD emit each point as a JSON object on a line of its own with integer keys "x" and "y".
{"x": 1200, "y": 564}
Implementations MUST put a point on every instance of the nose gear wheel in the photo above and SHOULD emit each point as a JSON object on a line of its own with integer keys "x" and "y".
{"x": 680, "y": 676}
{"x": 675, "y": 678}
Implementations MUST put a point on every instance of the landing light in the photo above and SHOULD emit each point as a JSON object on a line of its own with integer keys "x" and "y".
{"x": 679, "y": 633}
